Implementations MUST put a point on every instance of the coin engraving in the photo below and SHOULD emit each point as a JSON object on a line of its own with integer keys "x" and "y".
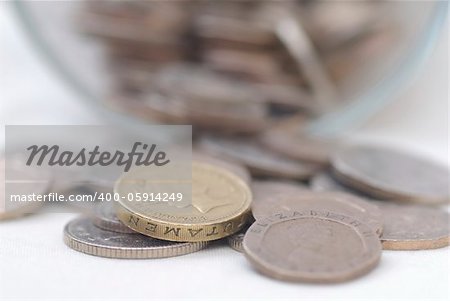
{"x": 311, "y": 246}
{"x": 220, "y": 207}
{"x": 83, "y": 236}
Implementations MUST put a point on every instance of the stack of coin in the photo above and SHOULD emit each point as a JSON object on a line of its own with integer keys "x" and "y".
{"x": 234, "y": 66}
{"x": 336, "y": 231}
{"x": 82, "y": 235}
{"x": 219, "y": 207}
{"x": 332, "y": 231}
{"x": 101, "y": 233}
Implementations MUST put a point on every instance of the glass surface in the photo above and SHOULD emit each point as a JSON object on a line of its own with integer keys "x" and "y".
{"x": 53, "y": 28}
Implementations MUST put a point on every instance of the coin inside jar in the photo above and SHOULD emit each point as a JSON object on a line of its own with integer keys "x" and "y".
{"x": 392, "y": 174}
{"x": 83, "y": 236}
{"x": 312, "y": 246}
{"x": 414, "y": 227}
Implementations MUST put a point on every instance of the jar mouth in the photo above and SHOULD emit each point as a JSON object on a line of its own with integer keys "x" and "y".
{"x": 354, "y": 106}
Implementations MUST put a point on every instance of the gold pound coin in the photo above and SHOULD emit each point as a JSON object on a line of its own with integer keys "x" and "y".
{"x": 219, "y": 207}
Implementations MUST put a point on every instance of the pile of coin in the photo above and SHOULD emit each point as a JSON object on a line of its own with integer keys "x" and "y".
{"x": 300, "y": 208}
{"x": 219, "y": 208}
{"x": 233, "y": 66}
{"x": 331, "y": 230}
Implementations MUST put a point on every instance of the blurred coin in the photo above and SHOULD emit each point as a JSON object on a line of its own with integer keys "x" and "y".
{"x": 204, "y": 90}
{"x": 263, "y": 67}
{"x": 153, "y": 107}
{"x": 206, "y": 44}
{"x": 377, "y": 42}
{"x": 259, "y": 161}
{"x": 292, "y": 142}
{"x": 219, "y": 206}
{"x": 83, "y": 236}
{"x": 333, "y": 24}
{"x": 234, "y": 29}
{"x": 312, "y": 246}
{"x": 231, "y": 166}
{"x": 392, "y": 174}
{"x": 24, "y": 181}
{"x": 105, "y": 218}
{"x": 246, "y": 117}
{"x": 413, "y": 227}
{"x": 338, "y": 202}
{"x": 324, "y": 181}
{"x": 266, "y": 195}
{"x": 290, "y": 96}
{"x": 201, "y": 87}
{"x": 292, "y": 34}
{"x": 156, "y": 53}
{"x": 235, "y": 241}
{"x": 150, "y": 23}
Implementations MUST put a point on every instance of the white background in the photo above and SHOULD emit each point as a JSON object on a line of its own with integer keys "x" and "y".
{"x": 35, "y": 263}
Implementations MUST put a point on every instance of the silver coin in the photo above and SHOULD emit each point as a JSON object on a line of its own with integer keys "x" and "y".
{"x": 414, "y": 227}
{"x": 392, "y": 174}
{"x": 312, "y": 246}
{"x": 105, "y": 218}
{"x": 83, "y": 236}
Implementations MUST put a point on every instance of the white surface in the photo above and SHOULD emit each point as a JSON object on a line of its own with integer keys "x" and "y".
{"x": 35, "y": 263}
